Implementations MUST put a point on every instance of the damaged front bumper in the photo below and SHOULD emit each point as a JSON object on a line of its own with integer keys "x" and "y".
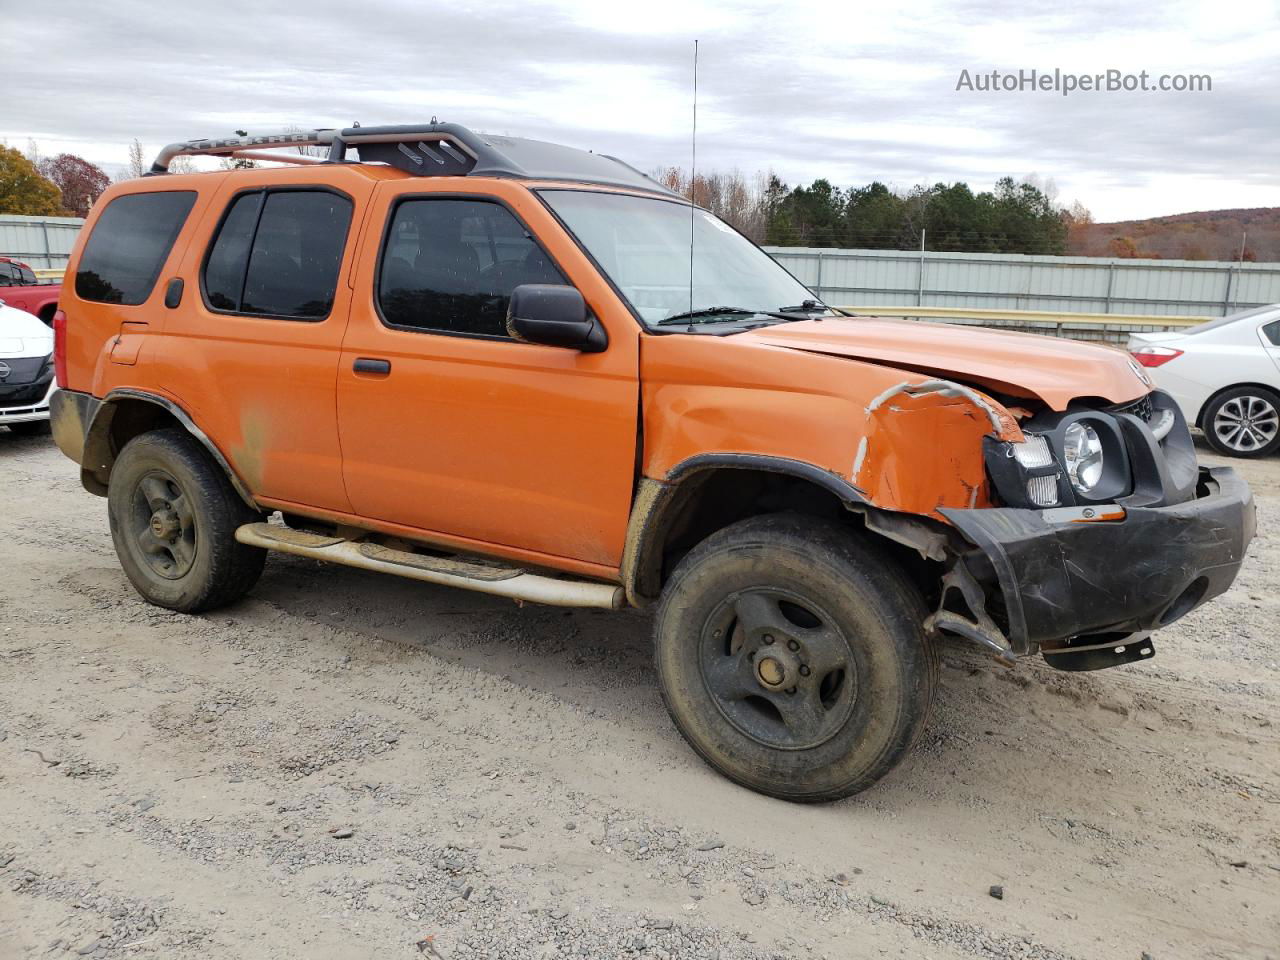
{"x": 1086, "y": 591}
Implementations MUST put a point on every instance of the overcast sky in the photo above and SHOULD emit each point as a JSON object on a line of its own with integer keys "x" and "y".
{"x": 847, "y": 91}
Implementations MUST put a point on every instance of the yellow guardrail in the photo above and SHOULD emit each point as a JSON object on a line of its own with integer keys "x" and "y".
{"x": 1030, "y": 316}
{"x": 50, "y": 275}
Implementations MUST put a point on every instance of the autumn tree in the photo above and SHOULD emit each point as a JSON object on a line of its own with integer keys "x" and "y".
{"x": 23, "y": 190}
{"x": 80, "y": 181}
{"x": 1122, "y": 247}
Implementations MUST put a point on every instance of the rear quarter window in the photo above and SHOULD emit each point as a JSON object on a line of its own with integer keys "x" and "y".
{"x": 128, "y": 247}
{"x": 277, "y": 254}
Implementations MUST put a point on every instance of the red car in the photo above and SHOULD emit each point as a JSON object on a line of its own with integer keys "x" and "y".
{"x": 19, "y": 287}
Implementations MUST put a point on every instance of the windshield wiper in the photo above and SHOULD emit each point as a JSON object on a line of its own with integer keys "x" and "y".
{"x": 693, "y": 316}
{"x": 808, "y": 306}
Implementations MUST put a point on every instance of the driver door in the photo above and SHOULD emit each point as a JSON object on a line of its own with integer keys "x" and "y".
{"x": 450, "y": 427}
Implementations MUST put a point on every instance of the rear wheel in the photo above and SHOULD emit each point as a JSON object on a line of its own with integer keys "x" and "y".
{"x": 1243, "y": 422}
{"x": 792, "y": 657}
{"x": 173, "y": 520}
{"x": 31, "y": 428}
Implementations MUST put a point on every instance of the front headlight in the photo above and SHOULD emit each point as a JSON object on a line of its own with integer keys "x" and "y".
{"x": 1082, "y": 453}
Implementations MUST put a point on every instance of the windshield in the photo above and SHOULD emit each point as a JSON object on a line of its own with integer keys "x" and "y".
{"x": 642, "y": 244}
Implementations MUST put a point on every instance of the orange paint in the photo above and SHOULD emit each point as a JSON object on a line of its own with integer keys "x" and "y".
{"x": 530, "y": 452}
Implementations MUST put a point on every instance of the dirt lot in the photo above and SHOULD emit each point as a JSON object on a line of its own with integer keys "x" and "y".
{"x": 170, "y": 785}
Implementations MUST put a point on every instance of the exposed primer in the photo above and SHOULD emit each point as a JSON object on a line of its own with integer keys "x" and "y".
{"x": 857, "y": 460}
{"x": 1000, "y": 421}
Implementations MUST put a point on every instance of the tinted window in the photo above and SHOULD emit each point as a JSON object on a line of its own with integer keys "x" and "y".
{"x": 277, "y": 254}
{"x": 1272, "y": 331}
{"x": 129, "y": 244}
{"x": 26, "y": 274}
{"x": 450, "y": 265}
{"x": 7, "y": 274}
{"x": 224, "y": 270}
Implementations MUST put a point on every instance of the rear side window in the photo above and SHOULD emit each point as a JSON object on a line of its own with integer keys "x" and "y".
{"x": 277, "y": 254}
{"x": 449, "y": 266}
{"x": 129, "y": 244}
{"x": 1272, "y": 332}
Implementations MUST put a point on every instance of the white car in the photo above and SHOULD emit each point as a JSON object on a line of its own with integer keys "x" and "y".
{"x": 1225, "y": 375}
{"x": 26, "y": 371}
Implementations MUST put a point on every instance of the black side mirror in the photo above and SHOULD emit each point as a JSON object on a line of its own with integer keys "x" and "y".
{"x": 555, "y": 315}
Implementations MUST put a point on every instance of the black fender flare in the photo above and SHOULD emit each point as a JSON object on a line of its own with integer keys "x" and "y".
{"x": 96, "y": 455}
{"x": 654, "y": 500}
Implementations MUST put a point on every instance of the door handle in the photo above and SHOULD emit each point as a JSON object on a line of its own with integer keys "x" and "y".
{"x": 372, "y": 365}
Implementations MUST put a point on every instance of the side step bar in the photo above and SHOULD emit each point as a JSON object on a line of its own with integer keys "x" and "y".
{"x": 482, "y": 576}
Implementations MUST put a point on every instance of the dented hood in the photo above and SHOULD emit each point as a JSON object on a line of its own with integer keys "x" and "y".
{"x": 1020, "y": 364}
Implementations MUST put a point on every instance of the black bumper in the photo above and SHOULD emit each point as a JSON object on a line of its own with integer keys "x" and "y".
{"x": 27, "y": 394}
{"x": 1061, "y": 582}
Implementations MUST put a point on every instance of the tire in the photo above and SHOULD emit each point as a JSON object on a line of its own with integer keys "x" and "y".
{"x": 173, "y": 519}
{"x": 30, "y": 428}
{"x": 1243, "y": 422}
{"x": 791, "y": 589}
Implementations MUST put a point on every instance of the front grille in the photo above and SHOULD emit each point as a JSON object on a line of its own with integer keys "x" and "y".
{"x": 21, "y": 370}
{"x": 1142, "y": 408}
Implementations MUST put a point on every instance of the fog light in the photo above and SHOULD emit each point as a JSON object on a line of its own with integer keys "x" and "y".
{"x": 1043, "y": 491}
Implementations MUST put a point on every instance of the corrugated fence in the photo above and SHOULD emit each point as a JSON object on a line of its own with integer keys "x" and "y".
{"x": 902, "y": 278}
{"x": 43, "y": 242}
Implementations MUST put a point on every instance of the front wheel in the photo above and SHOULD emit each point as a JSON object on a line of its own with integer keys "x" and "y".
{"x": 1243, "y": 422}
{"x": 173, "y": 518}
{"x": 792, "y": 657}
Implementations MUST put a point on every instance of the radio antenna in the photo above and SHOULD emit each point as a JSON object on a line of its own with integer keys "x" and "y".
{"x": 693, "y": 172}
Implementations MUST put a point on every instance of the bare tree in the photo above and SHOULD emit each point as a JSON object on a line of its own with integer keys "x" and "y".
{"x": 732, "y": 197}
{"x": 137, "y": 165}
{"x": 308, "y": 151}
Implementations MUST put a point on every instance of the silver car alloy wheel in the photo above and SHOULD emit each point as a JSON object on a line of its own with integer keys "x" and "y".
{"x": 1246, "y": 423}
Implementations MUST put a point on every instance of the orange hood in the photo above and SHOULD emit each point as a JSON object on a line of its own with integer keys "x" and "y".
{"x": 1018, "y": 364}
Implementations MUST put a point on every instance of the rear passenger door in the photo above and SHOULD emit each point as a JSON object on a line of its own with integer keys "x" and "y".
{"x": 450, "y": 426}
{"x": 253, "y": 352}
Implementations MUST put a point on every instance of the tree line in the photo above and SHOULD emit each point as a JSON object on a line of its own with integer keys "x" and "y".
{"x": 64, "y": 185}
{"x": 1013, "y": 217}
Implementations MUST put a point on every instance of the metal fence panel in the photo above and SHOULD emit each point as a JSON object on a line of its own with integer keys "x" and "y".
{"x": 43, "y": 242}
{"x": 1038, "y": 283}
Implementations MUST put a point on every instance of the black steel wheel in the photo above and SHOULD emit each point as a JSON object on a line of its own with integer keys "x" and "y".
{"x": 779, "y": 668}
{"x": 162, "y": 525}
{"x": 173, "y": 516}
{"x": 792, "y": 657}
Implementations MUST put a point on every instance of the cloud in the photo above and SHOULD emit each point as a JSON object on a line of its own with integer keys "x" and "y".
{"x": 807, "y": 90}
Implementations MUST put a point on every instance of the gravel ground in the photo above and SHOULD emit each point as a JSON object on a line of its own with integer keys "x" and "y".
{"x": 347, "y": 765}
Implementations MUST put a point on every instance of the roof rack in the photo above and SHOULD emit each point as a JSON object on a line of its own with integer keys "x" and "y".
{"x": 434, "y": 149}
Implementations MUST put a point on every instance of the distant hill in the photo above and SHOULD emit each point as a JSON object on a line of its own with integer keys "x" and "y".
{"x": 1208, "y": 235}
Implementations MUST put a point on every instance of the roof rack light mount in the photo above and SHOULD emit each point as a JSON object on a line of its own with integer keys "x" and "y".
{"x": 436, "y": 149}
{"x": 430, "y": 150}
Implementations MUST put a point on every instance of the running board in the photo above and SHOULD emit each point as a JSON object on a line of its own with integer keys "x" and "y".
{"x": 483, "y": 576}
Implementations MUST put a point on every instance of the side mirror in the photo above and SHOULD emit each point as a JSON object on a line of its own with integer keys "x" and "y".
{"x": 555, "y": 315}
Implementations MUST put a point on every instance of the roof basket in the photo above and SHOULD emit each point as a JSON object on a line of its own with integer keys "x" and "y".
{"x": 433, "y": 149}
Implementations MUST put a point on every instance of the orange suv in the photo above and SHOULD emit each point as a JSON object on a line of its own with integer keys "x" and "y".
{"x": 519, "y": 368}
